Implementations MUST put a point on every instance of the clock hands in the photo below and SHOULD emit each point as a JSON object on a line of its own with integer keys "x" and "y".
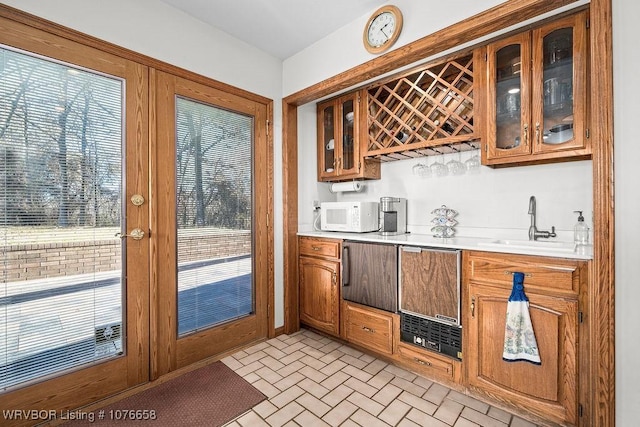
{"x": 382, "y": 31}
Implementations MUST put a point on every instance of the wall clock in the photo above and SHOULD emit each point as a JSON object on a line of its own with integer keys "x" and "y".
{"x": 382, "y": 29}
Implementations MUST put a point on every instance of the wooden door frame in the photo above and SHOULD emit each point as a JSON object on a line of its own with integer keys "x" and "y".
{"x": 600, "y": 378}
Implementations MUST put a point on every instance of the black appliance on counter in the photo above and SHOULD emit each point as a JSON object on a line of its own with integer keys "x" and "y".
{"x": 370, "y": 274}
{"x": 429, "y": 299}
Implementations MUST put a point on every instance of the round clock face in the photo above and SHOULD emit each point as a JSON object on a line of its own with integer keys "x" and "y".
{"x": 382, "y": 29}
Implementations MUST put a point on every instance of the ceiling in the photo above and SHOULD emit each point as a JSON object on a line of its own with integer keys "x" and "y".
{"x": 281, "y": 28}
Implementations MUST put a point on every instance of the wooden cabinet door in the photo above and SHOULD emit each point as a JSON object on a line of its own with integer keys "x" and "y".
{"x": 327, "y": 134}
{"x": 559, "y": 85}
{"x": 548, "y": 389}
{"x": 319, "y": 294}
{"x": 508, "y": 123}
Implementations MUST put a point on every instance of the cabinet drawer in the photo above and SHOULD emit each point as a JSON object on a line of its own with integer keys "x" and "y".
{"x": 369, "y": 328}
{"x": 542, "y": 273}
{"x": 426, "y": 363}
{"x": 310, "y": 246}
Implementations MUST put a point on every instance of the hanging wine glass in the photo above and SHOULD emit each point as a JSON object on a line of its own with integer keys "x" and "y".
{"x": 473, "y": 162}
{"x": 455, "y": 166}
{"x": 438, "y": 168}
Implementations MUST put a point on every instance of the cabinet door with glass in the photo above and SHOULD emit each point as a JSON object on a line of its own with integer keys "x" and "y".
{"x": 509, "y": 97}
{"x": 559, "y": 85}
{"x": 536, "y": 92}
{"x": 339, "y": 130}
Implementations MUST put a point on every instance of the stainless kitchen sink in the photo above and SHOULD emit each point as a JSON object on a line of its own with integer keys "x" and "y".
{"x": 551, "y": 246}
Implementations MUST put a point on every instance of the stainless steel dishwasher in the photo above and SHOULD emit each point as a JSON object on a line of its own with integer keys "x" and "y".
{"x": 429, "y": 298}
{"x": 370, "y": 274}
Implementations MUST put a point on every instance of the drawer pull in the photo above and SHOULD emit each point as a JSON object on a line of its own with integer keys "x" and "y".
{"x": 422, "y": 362}
{"x": 513, "y": 272}
{"x": 315, "y": 248}
{"x": 372, "y": 331}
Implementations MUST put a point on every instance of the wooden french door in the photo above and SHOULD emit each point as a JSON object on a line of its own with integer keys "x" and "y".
{"x": 79, "y": 137}
{"x": 210, "y": 176}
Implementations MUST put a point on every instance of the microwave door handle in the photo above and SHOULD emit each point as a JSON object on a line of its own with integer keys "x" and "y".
{"x": 346, "y": 269}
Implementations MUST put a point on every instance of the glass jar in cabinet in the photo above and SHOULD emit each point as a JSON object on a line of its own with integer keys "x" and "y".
{"x": 537, "y": 94}
{"x": 339, "y": 133}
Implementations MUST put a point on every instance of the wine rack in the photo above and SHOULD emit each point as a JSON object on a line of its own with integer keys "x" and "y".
{"x": 426, "y": 111}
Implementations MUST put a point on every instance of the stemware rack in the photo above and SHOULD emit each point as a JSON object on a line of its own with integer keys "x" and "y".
{"x": 425, "y": 111}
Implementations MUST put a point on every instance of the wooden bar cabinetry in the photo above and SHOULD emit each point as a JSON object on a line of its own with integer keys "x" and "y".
{"x": 340, "y": 130}
{"x": 369, "y": 327}
{"x": 549, "y": 390}
{"x": 425, "y": 111}
{"x": 537, "y": 101}
{"x": 319, "y": 283}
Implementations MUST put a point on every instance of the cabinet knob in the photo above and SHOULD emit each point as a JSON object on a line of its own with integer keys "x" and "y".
{"x": 526, "y": 134}
{"x": 538, "y": 140}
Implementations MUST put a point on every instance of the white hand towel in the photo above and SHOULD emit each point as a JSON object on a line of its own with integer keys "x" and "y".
{"x": 519, "y": 338}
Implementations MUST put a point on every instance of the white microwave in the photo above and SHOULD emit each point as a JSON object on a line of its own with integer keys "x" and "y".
{"x": 354, "y": 217}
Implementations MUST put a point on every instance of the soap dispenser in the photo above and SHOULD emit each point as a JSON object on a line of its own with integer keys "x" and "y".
{"x": 580, "y": 231}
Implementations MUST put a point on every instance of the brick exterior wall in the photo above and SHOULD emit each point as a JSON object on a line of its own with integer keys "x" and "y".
{"x": 42, "y": 260}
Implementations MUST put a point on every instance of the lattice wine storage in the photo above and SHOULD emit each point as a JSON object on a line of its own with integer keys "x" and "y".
{"x": 426, "y": 111}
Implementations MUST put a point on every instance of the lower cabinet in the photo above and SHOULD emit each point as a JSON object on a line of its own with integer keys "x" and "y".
{"x": 319, "y": 284}
{"x": 549, "y": 390}
{"x": 369, "y": 327}
{"x": 428, "y": 363}
{"x": 557, "y": 291}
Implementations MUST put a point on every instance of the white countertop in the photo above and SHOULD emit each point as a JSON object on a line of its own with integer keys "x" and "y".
{"x": 543, "y": 248}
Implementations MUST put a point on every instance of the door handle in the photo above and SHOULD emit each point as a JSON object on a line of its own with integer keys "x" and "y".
{"x": 345, "y": 266}
{"x": 137, "y": 199}
{"x": 136, "y": 234}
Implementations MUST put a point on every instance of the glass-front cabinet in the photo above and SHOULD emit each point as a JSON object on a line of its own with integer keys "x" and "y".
{"x": 339, "y": 131}
{"x": 536, "y": 87}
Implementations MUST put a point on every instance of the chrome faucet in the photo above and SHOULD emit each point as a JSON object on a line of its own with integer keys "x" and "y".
{"x": 534, "y": 233}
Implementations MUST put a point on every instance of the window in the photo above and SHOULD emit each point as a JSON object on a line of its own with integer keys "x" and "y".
{"x": 60, "y": 207}
{"x": 214, "y": 215}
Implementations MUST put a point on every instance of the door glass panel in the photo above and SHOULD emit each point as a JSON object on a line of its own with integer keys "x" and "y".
{"x": 508, "y": 89}
{"x": 214, "y": 215}
{"x": 348, "y": 135}
{"x": 61, "y": 139}
{"x": 329, "y": 142}
{"x": 557, "y": 84}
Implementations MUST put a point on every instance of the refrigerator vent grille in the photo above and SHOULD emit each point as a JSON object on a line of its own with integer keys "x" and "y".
{"x": 433, "y": 335}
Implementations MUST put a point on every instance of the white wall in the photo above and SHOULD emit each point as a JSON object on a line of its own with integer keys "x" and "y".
{"x": 490, "y": 202}
{"x": 626, "y": 63}
{"x": 160, "y": 31}
{"x": 343, "y": 49}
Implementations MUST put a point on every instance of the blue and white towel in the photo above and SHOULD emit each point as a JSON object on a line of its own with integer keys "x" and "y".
{"x": 519, "y": 338}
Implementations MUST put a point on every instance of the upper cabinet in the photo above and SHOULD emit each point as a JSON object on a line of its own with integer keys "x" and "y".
{"x": 429, "y": 107}
{"x": 339, "y": 140}
{"x": 536, "y": 108}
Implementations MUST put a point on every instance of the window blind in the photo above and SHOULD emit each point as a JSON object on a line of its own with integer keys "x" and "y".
{"x": 213, "y": 215}
{"x": 61, "y": 297}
